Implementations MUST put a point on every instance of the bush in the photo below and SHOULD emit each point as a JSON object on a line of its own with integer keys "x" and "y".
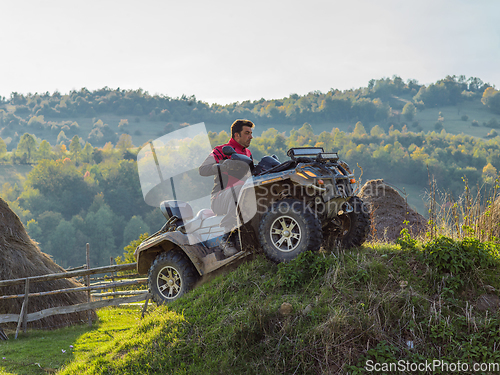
{"x": 492, "y": 134}
{"x": 460, "y": 260}
{"x": 492, "y": 123}
{"x": 464, "y": 117}
{"x": 475, "y": 123}
{"x": 405, "y": 240}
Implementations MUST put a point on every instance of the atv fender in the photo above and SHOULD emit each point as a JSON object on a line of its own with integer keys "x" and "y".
{"x": 148, "y": 250}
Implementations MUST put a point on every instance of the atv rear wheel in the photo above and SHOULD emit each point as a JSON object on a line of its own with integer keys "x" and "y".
{"x": 170, "y": 276}
{"x": 350, "y": 229}
{"x": 288, "y": 229}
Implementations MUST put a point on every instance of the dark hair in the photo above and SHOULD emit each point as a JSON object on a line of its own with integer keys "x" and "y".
{"x": 238, "y": 125}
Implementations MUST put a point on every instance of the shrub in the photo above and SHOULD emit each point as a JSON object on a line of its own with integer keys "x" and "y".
{"x": 492, "y": 134}
{"x": 492, "y": 123}
{"x": 460, "y": 260}
{"x": 405, "y": 240}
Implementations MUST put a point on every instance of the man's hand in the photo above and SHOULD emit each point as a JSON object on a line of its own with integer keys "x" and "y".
{"x": 229, "y": 165}
{"x": 233, "y": 167}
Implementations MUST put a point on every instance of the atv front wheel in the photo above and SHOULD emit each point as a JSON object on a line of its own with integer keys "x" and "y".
{"x": 171, "y": 276}
{"x": 350, "y": 229}
{"x": 288, "y": 229}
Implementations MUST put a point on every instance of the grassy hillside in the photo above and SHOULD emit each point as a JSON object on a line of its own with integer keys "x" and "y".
{"x": 453, "y": 122}
{"x": 322, "y": 313}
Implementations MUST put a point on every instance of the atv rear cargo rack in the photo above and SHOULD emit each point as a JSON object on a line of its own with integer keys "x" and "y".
{"x": 317, "y": 153}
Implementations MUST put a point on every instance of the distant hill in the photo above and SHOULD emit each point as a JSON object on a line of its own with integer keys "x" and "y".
{"x": 454, "y": 103}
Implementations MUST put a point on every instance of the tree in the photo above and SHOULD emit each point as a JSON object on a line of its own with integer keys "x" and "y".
{"x": 62, "y": 242}
{"x": 364, "y": 109}
{"x": 97, "y": 156}
{"x": 36, "y": 122}
{"x": 32, "y": 200}
{"x": 489, "y": 173}
{"x": 359, "y": 129}
{"x": 27, "y": 145}
{"x": 487, "y": 94}
{"x": 135, "y": 227}
{"x": 48, "y": 221}
{"x": 61, "y": 183}
{"x": 75, "y": 148}
{"x": 128, "y": 251}
{"x": 99, "y": 227}
{"x": 491, "y": 99}
{"x": 45, "y": 150}
{"x": 377, "y": 131}
{"x": 87, "y": 153}
{"x": 124, "y": 142}
{"x": 95, "y": 135}
{"x": 9, "y": 192}
{"x": 34, "y": 230}
{"x": 61, "y": 138}
{"x": 409, "y": 111}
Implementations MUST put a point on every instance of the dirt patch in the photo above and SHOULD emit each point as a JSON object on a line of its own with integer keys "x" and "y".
{"x": 389, "y": 211}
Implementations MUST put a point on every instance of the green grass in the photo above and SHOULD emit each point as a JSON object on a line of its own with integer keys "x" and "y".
{"x": 39, "y": 352}
{"x": 453, "y": 123}
{"x": 346, "y": 307}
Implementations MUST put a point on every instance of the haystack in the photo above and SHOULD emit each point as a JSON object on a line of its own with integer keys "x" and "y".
{"x": 20, "y": 257}
{"x": 389, "y": 211}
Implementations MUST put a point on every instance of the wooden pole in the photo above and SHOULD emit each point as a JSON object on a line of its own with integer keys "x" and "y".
{"x": 24, "y": 309}
{"x": 19, "y": 322}
{"x": 89, "y": 313}
{"x": 145, "y": 307}
{"x": 112, "y": 273}
{"x": 26, "y": 296}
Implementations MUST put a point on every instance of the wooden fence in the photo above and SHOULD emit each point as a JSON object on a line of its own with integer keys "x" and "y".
{"x": 100, "y": 284}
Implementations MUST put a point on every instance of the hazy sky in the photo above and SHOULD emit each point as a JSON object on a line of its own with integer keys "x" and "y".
{"x": 226, "y": 50}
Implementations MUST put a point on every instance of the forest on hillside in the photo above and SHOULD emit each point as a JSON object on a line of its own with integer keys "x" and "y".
{"x": 74, "y": 196}
{"x": 83, "y": 184}
{"x": 386, "y": 102}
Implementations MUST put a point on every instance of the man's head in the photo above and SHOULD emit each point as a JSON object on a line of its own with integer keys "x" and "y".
{"x": 241, "y": 132}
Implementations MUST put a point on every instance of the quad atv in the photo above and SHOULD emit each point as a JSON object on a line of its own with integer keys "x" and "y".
{"x": 302, "y": 203}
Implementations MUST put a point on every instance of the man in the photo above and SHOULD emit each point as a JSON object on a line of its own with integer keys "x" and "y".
{"x": 227, "y": 180}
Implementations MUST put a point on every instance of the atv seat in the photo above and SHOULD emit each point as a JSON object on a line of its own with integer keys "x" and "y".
{"x": 196, "y": 222}
{"x": 177, "y": 208}
{"x": 210, "y": 228}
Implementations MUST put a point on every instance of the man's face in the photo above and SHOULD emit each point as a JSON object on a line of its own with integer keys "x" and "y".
{"x": 244, "y": 137}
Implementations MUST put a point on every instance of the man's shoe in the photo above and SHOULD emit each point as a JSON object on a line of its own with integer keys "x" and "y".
{"x": 227, "y": 246}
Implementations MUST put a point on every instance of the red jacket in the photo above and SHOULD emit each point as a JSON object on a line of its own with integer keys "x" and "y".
{"x": 217, "y": 156}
